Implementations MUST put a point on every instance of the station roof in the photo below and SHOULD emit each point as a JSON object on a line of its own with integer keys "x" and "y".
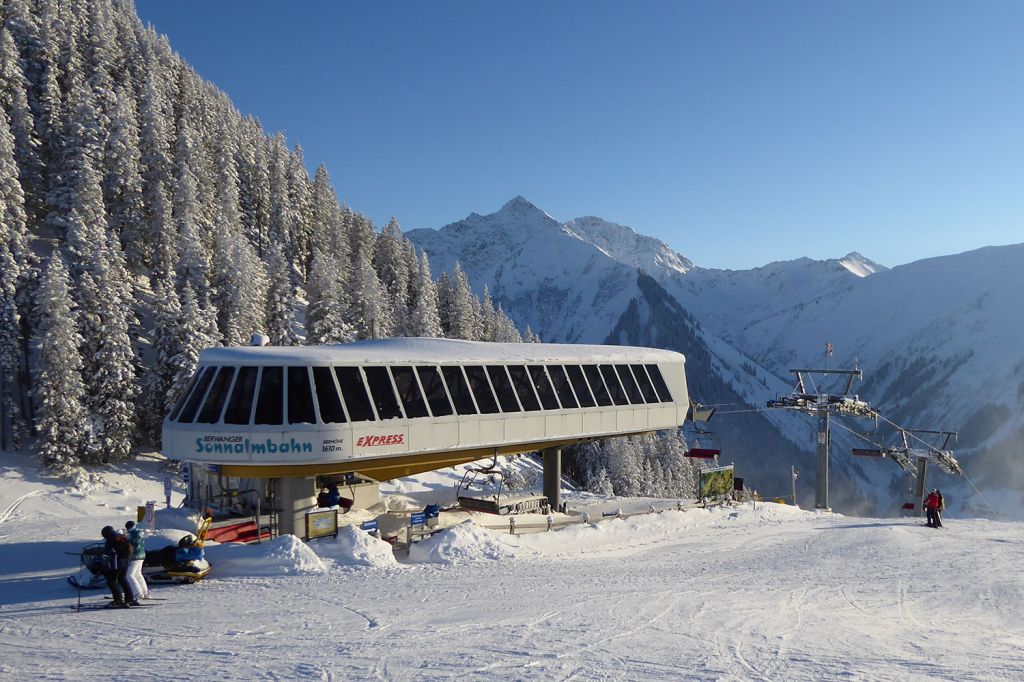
{"x": 434, "y": 351}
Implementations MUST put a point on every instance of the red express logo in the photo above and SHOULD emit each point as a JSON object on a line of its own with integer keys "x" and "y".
{"x": 374, "y": 441}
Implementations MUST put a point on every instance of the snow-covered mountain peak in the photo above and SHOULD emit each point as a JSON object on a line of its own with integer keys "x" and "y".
{"x": 859, "y": 265}
{"x": 520, "y": 207}
{"x": 626, "y": 245}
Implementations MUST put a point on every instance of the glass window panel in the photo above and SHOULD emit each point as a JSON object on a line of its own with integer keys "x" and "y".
{"x": 176, "y": 410}
{"x": 597, "y": 385}
{"x": 353, "y": 391}
{"x": 409, "y": 392}
{"x": 214, "y": 404}
{"x": 327, "y": 396}
{"x": 300, "y": 398}
{"x": 612, "y": 383}
{"x": 645, "y": 384}
{"x": 269, "y": 405}
{"x": 523, "y": 386}
{"x": 579, "y": 385}
{"x": 459, "y": 389}
{"x": 629, "y": 383}
{"x": 503, "y": 387}
{"x": 481, "y": 389}
{"x": 543, "y": 386}
{"x": 433, "y": 386}
{"x": 659, "y": 383}
{"x": 383, "y": 393}
{"x": 240, "y": 404}
{"x": 562, "y": 387}
{"x": 192, "y": 406}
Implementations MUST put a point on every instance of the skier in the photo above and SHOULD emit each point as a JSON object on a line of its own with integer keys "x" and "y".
{"x": 117, "y": 552}
{"x": 321, "y": 499}
{"x": 931, "y": 507}
{"x": 137, "y": 538}
{"x": 939, "y": 508}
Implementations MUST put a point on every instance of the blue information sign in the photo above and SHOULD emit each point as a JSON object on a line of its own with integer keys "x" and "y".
{"x": 417, "y": 519}
{"x": 370, "y": 526}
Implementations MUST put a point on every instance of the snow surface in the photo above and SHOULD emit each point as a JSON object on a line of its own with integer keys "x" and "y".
{"x": 733, "y": 594}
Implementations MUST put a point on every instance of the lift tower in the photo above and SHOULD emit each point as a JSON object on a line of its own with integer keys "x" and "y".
{"x": 914, "y": 461}
{"x": 824, "y": 405}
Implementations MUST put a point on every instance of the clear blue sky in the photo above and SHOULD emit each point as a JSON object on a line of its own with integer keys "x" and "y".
{"x": 738, "y": 132}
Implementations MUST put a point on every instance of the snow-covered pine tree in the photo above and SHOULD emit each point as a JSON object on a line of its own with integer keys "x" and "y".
{"x": 194, "y": 336}
{"x": 122, "y": 183}
{"x": 394, "y": 274}
{"x": 193, "y": 265}
{"x": 59, "y": 390}
{"x": 372, "y": 313}
{"x": 463, "y": 314}
{"x": 112, "y": 385}
{"x": 504, "y": 328}
{"x": 425, "y": 320}
{"x": 15, "y": 267}
{"x": 159, "y": 378}
{"x": 158, "y": 244}
{"x": 15, "y": 103}
{"x": 280, "y": 299}
{"x": 327, "y": 312}
{"x": 487, "y": 316}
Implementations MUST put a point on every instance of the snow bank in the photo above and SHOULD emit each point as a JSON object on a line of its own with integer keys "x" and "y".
{"x": 284, "y": 555}
{"x": 355, "y": 547}
{"x": 464, "y": 542}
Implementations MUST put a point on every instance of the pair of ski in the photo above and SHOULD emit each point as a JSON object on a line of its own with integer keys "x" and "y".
{"x": 96, "y": 606}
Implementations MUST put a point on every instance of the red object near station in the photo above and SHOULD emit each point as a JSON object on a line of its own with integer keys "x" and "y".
{"x": 702, "y": 453}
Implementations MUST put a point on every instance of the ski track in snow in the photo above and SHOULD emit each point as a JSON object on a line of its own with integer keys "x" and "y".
{"x": 770, "y": 594}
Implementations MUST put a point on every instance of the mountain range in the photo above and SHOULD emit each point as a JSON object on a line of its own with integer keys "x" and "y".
{"x": 938, "y": 341}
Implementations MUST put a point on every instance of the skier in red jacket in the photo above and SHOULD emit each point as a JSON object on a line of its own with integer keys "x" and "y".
{"x": 931, "y": 507}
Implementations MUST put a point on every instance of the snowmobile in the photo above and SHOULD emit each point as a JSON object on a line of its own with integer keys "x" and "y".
{"x": 184, "y": 562}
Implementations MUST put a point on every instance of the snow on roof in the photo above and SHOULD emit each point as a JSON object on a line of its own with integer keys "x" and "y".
{"x": 419, "y": 351}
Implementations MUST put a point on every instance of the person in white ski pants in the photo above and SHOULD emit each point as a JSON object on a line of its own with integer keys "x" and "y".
{"x": 133, "y": 575}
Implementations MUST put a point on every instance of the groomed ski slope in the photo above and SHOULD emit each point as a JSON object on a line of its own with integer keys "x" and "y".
{"x": 733, "y": 594}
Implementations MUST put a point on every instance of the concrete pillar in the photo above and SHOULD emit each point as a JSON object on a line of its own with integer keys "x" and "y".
{"x": 295, "y": 496}
{"x": 922, "y": 470}
{"x": 821, "y": 491}
{"x": 553, "y": 476}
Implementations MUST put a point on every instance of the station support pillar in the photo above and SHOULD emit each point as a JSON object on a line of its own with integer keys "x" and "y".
{"x": 922, "y": 472}
{"x": 553, "y": 477}
{"x": 295, "y": 496}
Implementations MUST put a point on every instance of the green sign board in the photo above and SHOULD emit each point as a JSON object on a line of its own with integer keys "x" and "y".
{"x": 716, "y": 482}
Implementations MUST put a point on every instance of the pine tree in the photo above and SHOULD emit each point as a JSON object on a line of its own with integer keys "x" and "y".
{"x": 122, "y": 185}
{"x": 111, "y": 385}
{"x": 280, "y": 299}
{"x": 373, "y": 314}
{"x": 159, "y": 236}
{"x": 425, "y": 320}
{"x": 327, "y": 312}
{"x": 160, "y": 376}
{"x": 16, "y": 264}
{"x": 193, "y": 256}
{"x": 195, "y": 334}
{"x": 463, "y": 308}
{"x": 14, "y": 101}
{"x": 60, "y": 392}
{"x": 394, "y": 274}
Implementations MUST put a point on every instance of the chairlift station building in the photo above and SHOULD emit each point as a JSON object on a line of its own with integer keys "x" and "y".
{"x": 391, "y": 408}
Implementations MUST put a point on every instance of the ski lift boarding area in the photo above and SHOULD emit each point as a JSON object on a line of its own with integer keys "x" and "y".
{"x": 397, "y": 407}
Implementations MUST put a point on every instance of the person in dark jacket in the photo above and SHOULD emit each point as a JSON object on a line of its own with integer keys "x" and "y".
{"x": 333, "y": 496}
{"x": 118, "y": 555}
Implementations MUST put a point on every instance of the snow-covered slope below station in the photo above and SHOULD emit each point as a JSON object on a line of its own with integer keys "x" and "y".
{"x": 734, "y": 593}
